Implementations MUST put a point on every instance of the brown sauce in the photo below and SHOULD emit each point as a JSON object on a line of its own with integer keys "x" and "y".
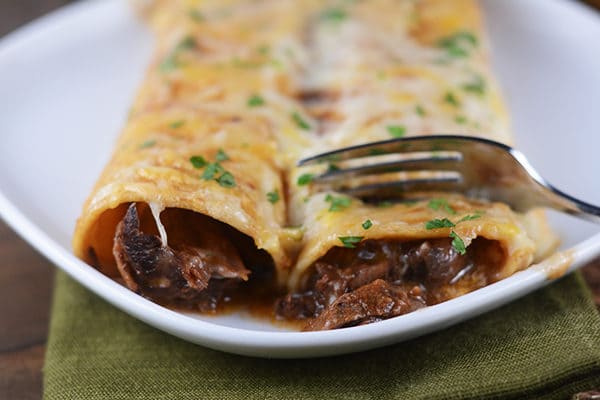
{"x": 378, "y": 279}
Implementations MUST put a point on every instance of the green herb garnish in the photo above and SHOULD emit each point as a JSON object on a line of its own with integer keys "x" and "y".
{"x": 177, "y": 124}
{"x": 458, "y": 243}
{"x": 460, "y": 119}
{"x": 451, "y": 99}
{"x": 172, "y": 61}
{"x": 469, "y": 217}
{"x": 439, "y": 223}
{"x": 212, "y": 170}
{"x": 226, "y": 180}
{"x": 221, "y": 156}
{"x": 198, "y": 162}
{"x": 350, "y": 241}
{"x": 332, "y": 167}
{"x": 420, "y": 110}
{"x": 147, "y": 144}
{"x": 437, "y": 204}
{"x": 396, "y": 131}
{"x": 334, "y": 15}
{"x": 302, "y": 124}
{"x": 338, "y": 203}
{"x": 273, "y": 196}
{"x": 367, "y": 224}
{"x": 196, "y": 15}
{"x": 255, "y": 101}
{"x": 477, "y": 86}
{"x": 305, "y": 179}
{"x": 459, "y": 45}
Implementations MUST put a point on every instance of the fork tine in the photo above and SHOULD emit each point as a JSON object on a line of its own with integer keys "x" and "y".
{"x": 391, "y": 163}
{"x": 395, "y": 183}
{"x": 403, "y": 145}
{"x": 396, "y": 188}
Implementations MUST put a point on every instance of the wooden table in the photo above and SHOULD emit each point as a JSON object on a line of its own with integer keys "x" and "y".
{"x": 26, "y": 278}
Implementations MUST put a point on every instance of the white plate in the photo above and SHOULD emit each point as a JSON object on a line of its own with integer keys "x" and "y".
{"x": 66, "y": 83}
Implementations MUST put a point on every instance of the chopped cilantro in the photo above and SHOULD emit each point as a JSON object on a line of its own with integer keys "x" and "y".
{"x": 439, "y": 223}
{"x": 172, "y": 62}
{"x": 470, "y": 217}
{"x": 302, "y": 124}
{"x": 338, "y": 203}
{"x": 226, "y": 180}
{"x": 334, "y": 15}
{"x": 196, "y": 15}
{"x": 221, "y": 156}
{"x": 147, "y": 144}
{"x": 177, "y": 124}
{"x": 211, "y": 170}
{"x": 332, "y": 167}
{"x": 198, "y": 162}
{"x": 367, "y": 224}
{"x": 436, "y": 204}
{"x": 263, "y": 50}
{"x": 255, "y": 101}
{"x": 451, "y": 99}
{"x": 396, "y": 131}
{"x": 350, "y": 241}
{"x": 305, "y": 179}
{"x": 420, "y": 110}
{"x": 459, "y": 44}
{"x": 477, "y": 86}
{"x": 458, "y": 243}
{"x": 273, "y": 196}
{"x": 460, "y": 119}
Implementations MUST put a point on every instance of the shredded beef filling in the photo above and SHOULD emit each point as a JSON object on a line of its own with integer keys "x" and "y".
{"x": 194, "y": 275}
{"x": 383, "y": 279}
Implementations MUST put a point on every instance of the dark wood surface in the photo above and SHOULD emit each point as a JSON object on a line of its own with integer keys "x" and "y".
{"x": 26, "y": 278}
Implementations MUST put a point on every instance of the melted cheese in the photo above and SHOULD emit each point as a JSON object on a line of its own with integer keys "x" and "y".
{"x": 331, "y": 74}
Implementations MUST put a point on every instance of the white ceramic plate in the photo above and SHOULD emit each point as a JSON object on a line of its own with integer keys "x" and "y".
{"x": 67, "y": 80}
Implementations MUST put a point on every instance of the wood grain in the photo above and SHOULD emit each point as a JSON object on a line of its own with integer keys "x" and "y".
{"x": 26, "y": 278}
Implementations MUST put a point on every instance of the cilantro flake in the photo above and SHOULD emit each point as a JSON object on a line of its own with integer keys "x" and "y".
{"x": 338, "y": 203}
{"x": 437, "y": 204}
{"x": 350, "y": 241}
{"x": 273, "y": 196}
{"x": 334, "y": 15}
{"x": 439, "y": 223}
{"x": 211, "y": 170}
{"x": 300, "y": 122}
{"x": 458, "y": 243}
{"x": 396, "y": 131}
{"x": 147, "y": 144}
{"x": 221, "y": 156}
{"x": 255, "y": 101}
{"x": 305, "y": 179}
{"x": 226, "y": 180}
{"x": 367, "y": 224}
{"x": 198, "y": 162}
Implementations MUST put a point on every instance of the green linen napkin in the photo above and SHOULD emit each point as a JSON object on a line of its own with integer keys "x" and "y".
{"x": 544, "y": 346}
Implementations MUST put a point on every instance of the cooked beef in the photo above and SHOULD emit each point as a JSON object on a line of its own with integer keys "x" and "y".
{"x": 375, "y": 301}
{"x": 194, "y": 275}
{"x": 381, "y": 279}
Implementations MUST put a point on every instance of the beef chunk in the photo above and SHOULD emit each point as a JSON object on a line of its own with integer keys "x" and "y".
{"x": 184, "y": 275}
{"x": 375, "y": 301}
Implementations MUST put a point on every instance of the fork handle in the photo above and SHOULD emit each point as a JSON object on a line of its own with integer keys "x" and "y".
{"x": 561, "y": 201}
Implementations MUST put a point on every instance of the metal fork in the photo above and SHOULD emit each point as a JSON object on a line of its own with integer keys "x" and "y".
{"x": 475, "y": 167}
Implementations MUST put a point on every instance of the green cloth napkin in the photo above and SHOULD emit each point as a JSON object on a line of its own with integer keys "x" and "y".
{"x": 544, "y": 346}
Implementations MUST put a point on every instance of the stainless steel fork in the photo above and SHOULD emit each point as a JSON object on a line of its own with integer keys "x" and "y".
{"x": 475, "y": 167}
